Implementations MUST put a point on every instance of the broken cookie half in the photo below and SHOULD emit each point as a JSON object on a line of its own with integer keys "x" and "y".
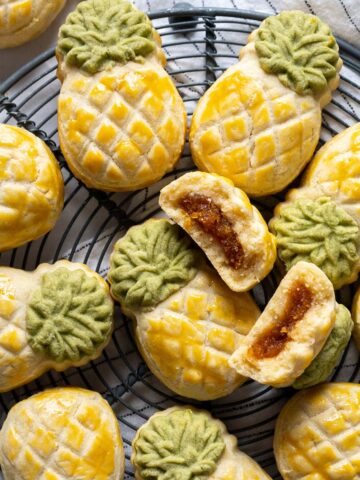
{"x": 302, "y": 327}
{"x": 222, "y": 221}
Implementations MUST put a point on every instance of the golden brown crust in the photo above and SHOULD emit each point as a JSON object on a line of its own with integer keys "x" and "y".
{"x": 26, "y": 19}
{"x": 122, "y": 129}
{"x": 172, "y": 339}
{"x": 251, "y": 128}
{"x": 316, "y": 434}
{"x": 65, "y": 433}
{"x": 31, "y": 187}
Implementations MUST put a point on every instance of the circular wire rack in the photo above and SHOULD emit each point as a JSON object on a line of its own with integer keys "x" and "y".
{"x": 200, "y": 44}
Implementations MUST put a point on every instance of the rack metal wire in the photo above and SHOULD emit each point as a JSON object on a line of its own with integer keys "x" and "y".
{"x": 200, "y": 44}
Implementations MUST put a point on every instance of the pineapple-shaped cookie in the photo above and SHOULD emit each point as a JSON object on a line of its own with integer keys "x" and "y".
{"x": 22, "y": 20}
{"x": 58, "y": 316}
{"x": 187, "y": 321}
{"x": 260, "y": 122}
{"x": 317, "y": 434}
{"x": 320, "y": 221}
{"x": 31, "y": 187}
{"x": 62, "y": 434}
{"x": 121, "y": 120}
{"x": 195, "y": 442}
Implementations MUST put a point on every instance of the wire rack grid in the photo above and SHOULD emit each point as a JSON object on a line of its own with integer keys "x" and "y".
{"x": 200, "y": 44}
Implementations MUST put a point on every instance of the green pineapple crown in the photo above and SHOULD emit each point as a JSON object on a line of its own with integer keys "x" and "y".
{"x": 324, "y": 363}
{"x": 320, "y": 232}
{"x": 181, "y": 445}
{"x": 102, "y": 33}
{"x": 152, "y": 261}
{"x": 300, "y": 49}
{"x": 70, "y": 316}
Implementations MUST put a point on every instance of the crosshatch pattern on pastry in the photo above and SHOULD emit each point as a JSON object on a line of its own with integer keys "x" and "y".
{"x": 122, "y": 124}
{"x": 321, "y": 434}
{"x": 254, "y": 124}
{"x": 15, "y": 353}
{"x": 81, "y": 439}
{"x": 194, "y": 332}
{"x": 248, "y": 133}
{"x": 31, "y": 193}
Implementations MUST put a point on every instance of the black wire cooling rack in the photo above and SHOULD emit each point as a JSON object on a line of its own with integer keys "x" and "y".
{"x": 200, "y": 44}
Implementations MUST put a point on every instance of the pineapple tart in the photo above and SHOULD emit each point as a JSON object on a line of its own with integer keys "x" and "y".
{"x": 31, "y": 187}
{"x": 319, "y": 222}
{"x": 260, "y": 122}
{"x": 121, "y": 120}
{"x": 55, "y": 317}
{"x": 317, "y": 434}
{"x": 63, "y": 433}
{"x": 300, "y": 336}
{"x": 187, "y": 321}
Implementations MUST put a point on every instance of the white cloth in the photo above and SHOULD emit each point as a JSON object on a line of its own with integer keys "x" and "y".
{"x": 342, "y": 15}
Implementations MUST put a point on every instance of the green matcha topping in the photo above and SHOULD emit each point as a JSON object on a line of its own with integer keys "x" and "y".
{"x": 300, "y": 49}
{"x": 182, "y": 445}
{"x": 102, "y": 33}
{"x": 325, "y": 362}
{"x": 152, "y": 261}
{"x": 69, "y": 316}
{"x": 320, "y": 232}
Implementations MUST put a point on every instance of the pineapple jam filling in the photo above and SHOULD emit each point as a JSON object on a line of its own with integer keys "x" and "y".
{"x": 273, "y": 341}
{"x": 209, "y": 217}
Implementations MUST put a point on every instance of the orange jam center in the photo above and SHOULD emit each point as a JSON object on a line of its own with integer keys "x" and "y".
{"x": 272, "y": 342}
{"x": 209, "y": 217}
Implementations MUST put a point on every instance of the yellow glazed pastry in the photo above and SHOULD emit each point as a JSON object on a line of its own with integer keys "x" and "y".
{"x": 320, "y": 221}
{"x": 187, "y": 321}
{"x": 22, "y": 20}
{"x": 222, "y": 221}
{"x": 62, "y": 434}
{"x": 31, "y": 187}
{"x": 335, "y": 169}
{"x": 317, "y": 434}
{"x": 57, "y": 316}
{"x": 121, "y": 120}
{"x": 292, "y": 329}
{"x": 260, "y": 122}
{"x": 197, "y": 446}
